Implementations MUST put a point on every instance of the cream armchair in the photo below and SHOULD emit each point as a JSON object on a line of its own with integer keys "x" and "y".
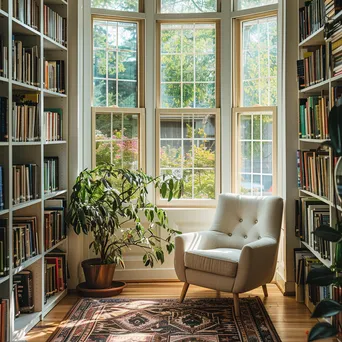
{"x": 238, "y": 253}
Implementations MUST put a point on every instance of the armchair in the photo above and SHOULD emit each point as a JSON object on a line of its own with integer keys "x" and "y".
{"x": 238, "y": 253}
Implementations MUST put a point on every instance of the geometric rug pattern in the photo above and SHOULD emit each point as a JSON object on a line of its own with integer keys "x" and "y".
{"x": 166, "y": 320}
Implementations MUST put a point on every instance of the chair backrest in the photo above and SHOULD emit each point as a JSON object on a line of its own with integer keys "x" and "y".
{"x": 246, "y": 219}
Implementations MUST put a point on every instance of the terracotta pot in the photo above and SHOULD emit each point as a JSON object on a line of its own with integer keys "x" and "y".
{"x": 98, "y": 275}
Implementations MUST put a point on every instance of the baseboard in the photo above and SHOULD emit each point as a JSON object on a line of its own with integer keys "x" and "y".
{"x": 287, "y": 288}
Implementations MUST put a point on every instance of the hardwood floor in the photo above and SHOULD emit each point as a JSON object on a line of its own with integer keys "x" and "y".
{"x": 291, "y": 319}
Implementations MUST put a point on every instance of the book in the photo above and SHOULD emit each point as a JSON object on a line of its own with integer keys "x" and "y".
{"x": 3, "y": 57}
{"x": 24, "y": 282}
{"x": 53, "y": 124}
{"x": 55, "y": 26}
{"x": 51, "y": 177}
{"x": 27, "y": 11}
{"x": 15, "y": 300}
{"x": 3, "y": 119}
{"x": 4, "y": 320}
{"x": 54, "y": 76}
{"x": 4, "y": 252}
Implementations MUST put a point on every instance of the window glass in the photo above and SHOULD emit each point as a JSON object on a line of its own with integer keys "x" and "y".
{"x": 188, "y": 149}
{"x": 117, "y": 139}
{"x": 115, "y": 64}
{"x": 255, "y": 154}
{"x": 188, "y": 66}
{"x": 118, "y": 5}
{"x": 259, "y": 62}
{"x": 244, "y": 4}
{"x": 188, "y": 6}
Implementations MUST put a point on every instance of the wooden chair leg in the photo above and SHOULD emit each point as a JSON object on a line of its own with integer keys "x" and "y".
{"x": 264, "y": 288}
{"x": 236, "y": 304}
{"x": 218, "y": 294}
{"x": 184, "y": 291}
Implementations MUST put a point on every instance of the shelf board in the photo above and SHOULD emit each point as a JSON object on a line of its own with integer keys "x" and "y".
{"x": 3, "y": 13}
{"x": 23, "y": 86}
{"x": 316, "y": 141}
{"x": 50, "y": 44}
{"x": 49, "y": 93}
{"x": 4, "y": 143}
{"x": 53, "y": 301}
{"x": 26, "y": 143}
{"x": 336, "y": 79}
{"x": 316, "y": 38}
{"x": 55, "y": 2}
{"x": 325, "y": 262}
{"x": 24, "y": 323}
{"x": 21, "y": 28}
{"x": 3, "y": 79}
{"x": 4, "y": 279}
{"x": 4, "y": 212}
{"x": 56, "y": 245}
{"x": 27, "y": 263}
{"x": 323, "y": 199}
{"x": 26, "y": 204}
{"x": 54, "y": 194}
{"x": 56, "y": 142}
{"x": 324, "y": 85}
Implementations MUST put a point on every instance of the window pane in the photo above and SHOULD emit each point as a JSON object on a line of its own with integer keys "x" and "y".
{"x": 118, "y": 5}
{"x": 117, "y": 139}
{"x": 188, "y": 66}
{"x": 243, "y": 4}
{"x": 115, "y": 64}
{"x": 188, "y": 150}
{"x": 259, "y": 62}
{"x": 188, "y": 6}
{"x": 255, "y": 153}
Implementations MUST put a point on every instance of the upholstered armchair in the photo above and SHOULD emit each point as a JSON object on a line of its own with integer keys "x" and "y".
{"x": 238, "y": 253}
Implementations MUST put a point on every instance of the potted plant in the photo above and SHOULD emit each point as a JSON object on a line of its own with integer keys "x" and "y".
{"x": 110, "y": 204}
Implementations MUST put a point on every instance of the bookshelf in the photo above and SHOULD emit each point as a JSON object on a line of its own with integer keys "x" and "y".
{"x": 322, "y": 88}
{"x": 35, "y": 152}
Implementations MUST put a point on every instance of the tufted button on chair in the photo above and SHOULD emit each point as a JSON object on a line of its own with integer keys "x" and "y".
{"x": 238, "y": 253}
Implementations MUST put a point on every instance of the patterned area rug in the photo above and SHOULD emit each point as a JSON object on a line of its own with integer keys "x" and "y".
{"x": 165, "y": 320}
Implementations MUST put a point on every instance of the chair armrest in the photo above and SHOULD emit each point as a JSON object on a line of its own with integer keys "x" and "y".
{"x": 257, "y": 264}
{"x": 191, "y": 241}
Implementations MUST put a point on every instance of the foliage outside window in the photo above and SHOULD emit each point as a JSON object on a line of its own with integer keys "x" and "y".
{"x": 188, "y": 6}
{"x": 255, "y": 157}
{"x": 259, "y": 62}
{"x": 188, "y": 65}
{"x": 188, "y": 149}
{"x": 117, "y": 138}
{"x": 115, "y": 63}
{"x": 244, "y": 4}
{"x": 117, "y": 5}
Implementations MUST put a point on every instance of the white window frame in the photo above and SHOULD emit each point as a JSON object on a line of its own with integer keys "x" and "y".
{"x": 236, "y": 112}
{"x": 141, "y": 131}
{"x": 191, "y": 203}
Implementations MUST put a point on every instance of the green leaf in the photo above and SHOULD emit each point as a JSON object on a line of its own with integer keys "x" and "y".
{"x": 327, "y": 308}
{"x": 328, "y": 233}
{"x": 163, "y": 190}
{"x": 321, "y": 276}
{"x": 322, "y": 330}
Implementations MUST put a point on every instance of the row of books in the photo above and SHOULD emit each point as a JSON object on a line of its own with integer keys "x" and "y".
{"x": 3, "y": 119}
{"x": 332, "y": 7}
{"x": 53, "y": 123}
{"x": 51, "y": 179}
{"x": 337, "y": 319}
{"x": 311, "y": 214}
{"x": 311, "y": 295}
{"x": 55, "y": 26}
{"x": 313, "y": 171}
{"x": 3, "y": 58}
{"x": 23, "y": 292}
{"x": 54, "y": 222}
{"x": 313, "y": 117}
{"x": 54, "y": 79}
{"x": 333, "y": 28}
{"x": 27, "y": 11}
{"x": 25, "y": 183}
{"x": 312, "y": 69}
{"x": 25, "y": 120}
{"x": 311, "y": 18}
{"x": 56, "y": 272}
{"x": 4, "y": 320}
{"x": 25, "y": 239}
{"x": 336, "y": 53}
{"x": 26, "y": 63}
{"x": 4, "y": 256}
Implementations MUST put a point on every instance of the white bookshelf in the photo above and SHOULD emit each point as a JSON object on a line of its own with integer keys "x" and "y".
{"x": 322, "y": 88}
{"x": 32, "y": 152}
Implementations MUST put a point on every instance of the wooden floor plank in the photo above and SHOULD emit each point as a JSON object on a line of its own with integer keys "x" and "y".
{"x": 291, "y": 319}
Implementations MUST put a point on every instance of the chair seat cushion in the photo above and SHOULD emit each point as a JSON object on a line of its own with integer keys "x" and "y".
{"x": 222, "y": 261}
